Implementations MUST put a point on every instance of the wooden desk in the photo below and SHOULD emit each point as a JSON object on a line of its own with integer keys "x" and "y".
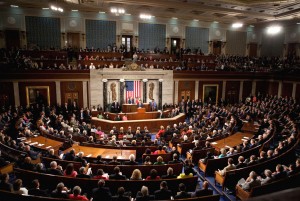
{"x": 44, "y": 143}
{"x": 231, "y": 141}
{"x": 126, "y": 108}
{"x": 105, "y": 153}
{"x": 152, "y": 124}
{"x": 250, "y": 128}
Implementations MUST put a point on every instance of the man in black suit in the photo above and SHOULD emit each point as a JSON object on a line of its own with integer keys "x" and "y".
{"x": 60, "y": 191}
{"x": 143, "y": 195}
{"x": 81, "y": 173}
{"x": 114, "y": 161}
{"x": 4, "y": 184}
{"x": 36, "y": 191}
{"x": 175, "y": 159}
{"x": 241, "y": 163}
{"x": 54, "y": 169}
{"x": 163, "y": 193}
{"x": 115, "y": 107}
{"x": 169, "y": 175}
{"x": 117, "y": 175}
{"x": 101, "y": 193}
{"x": 182, "y": 194}
{"x": 205, "y": 191}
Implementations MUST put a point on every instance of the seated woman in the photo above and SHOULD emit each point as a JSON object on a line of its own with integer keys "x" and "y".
{"x": 223, "y": 153}
{"x": 18, "y": 189}
{"x": 69, "y": 171}
{"x": 136, "y": 175}
{"x": 159, "y": 161}
{"x": 147, "y": 161}
{"x": 153, "y": 175}
{"x": 160, "y": 133}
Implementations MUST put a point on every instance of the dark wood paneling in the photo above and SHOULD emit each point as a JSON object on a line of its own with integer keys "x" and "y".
{"x": 297, "y": 96}
{"x": 7, "y": 94}
{"x": 23, "y": 85}
{"x": 186, "y": 86}
{"x": 247, "y": 88}
{"x": 262, "y": 87}
{"x": 273, "y": 88}
{"x": 287, "y": 89}
{"x": 232, "y": 91}
{"x": 201, "y": 83}
{"x": 75, "y": 87}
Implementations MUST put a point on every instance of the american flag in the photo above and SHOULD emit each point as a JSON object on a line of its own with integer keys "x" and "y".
{"x": 133, "y": 89}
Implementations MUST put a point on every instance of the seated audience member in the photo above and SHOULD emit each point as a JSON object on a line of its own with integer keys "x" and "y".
{"x": 143, "y": 195}
{"x": 175, "y": 159}
{"x": 163, "y": 193}
{"x": 153, "y": 175}
{"x": 114, "y": 161}
{"x": 82, "y": 173}
{"x": 169, "y": 175}
{"x": 136, "y": 175}
{"x": 35, "y": 190}
{"x": 99, "y": 160}
{"x": 159, "y": 161}
{"x": 52, "y": 155}
{"x": 60, "y": 191}
{"x": 117, "y": 175}
{"x": 241, "y": 163}
{"x": 268, "y": 177}
{"x": 147, "y": 161}
{"x": 279, "y": 173}
{"x": 229, "y": 167}
{"x": 100, "y": 175}
{"x": 252, "y": 160}
{"x": 159, "y": 150}
{"x": 209, "y": 155}
{"x": 76, "y": 194}
{"x": 205, "y": 191}
{"x": 79, "y": 158}
{"x": 27, "y": 164}
{"x": 70, "y": 156}
{"x": 131, "y": 160}
{"x": 182, "y": 194}
{"x": 189, "y": 167}
{"x": 251, "y": 182}
{"x": 18, "y": 189}
{"x": 69, "y": 171}
{"x": 54, "y": 169}
{"x": 223, "y": 153}
{"x": 4, "y": 183}
{"x": 101, "y": 193}
{"x": 121, "y": 195}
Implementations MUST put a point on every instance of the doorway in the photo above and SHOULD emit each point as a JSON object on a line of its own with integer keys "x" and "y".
{"x": 252, "y": 49}
{"x": 71, "y": 97}
{"x": 175, "y": 45}
{"x": 217, "y": 45}
{"x": 127, "y": 45}
{"x": 73, "y": 40}
{"x": 185, "y": 95}
{"x": 12, "y": 39}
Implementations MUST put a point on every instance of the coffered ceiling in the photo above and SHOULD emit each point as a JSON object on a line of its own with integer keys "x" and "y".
{"x": 225, "y": 11}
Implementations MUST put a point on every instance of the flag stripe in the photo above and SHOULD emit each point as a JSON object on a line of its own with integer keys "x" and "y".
{"x": 133, "y": 89}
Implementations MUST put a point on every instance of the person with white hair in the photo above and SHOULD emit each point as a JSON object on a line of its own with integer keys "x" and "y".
{"x": 251, "y": 181}
{"x": 143, "y": 195}
{"x": 131, "y": 160}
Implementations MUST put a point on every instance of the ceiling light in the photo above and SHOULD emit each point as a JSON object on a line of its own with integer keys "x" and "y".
{"x": 117, "y": 11}
{"x": 45, "y": 8}
{"x": 75, "y": 10}
{"x": 55, "y": 8}
{"x": 174, "y": 18}
{"x": 216, "y": 22}
{"x": 102, "y": 12}
{"x": 14, "y": 6}
{"x": 127, "y": 14}
{"x": 272, "y": 30}
{"x": 196, "y": 20}
{"x": 145, "y": 16}
{"x": 298, "y": 22}
{"x": 237, "y": 25}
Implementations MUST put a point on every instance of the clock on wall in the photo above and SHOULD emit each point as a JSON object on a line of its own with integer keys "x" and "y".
{"x": 175, "y": 29}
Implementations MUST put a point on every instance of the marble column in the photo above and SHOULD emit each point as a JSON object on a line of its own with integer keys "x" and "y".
{"x": 279, "y": 89}
{"x": 122, "y": 91}
{"x": 145, "y": 90}
{"x": 294, "y": 90}
{"x": 160, "y": 94}
{"x": 241, "y": 90}
{"x": 253, "y": 91}
{"x": 176, "y": 92}
{"x": 196, "y": 89}
{"x": 85, "y": 94}
{"x": 105, "y": 108}
{"x": 58, "y": 92}
{"x": 223, "y": 90}
{"x": 16, "y": 93}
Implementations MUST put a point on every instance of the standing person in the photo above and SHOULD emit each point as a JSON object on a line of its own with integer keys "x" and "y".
{"x": 153, "y": 105}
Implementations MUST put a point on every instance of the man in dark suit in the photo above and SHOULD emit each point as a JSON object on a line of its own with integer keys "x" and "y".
{"x": 204, "y": 191}
{"x": 117, "y": 175}
{"x": 182, "y": 194}
{"x": 54, "y": 169}
{"x": 143, "y": 195}
{"x": 169, "y": 175}
{"x": 115, "y": 107}
{"x": 101, "y": 193}
{"x": 81, "y": 174}
{"x": 114, "y": 161}
{"x": 4, "y": 184}
{"x": 60, "y": 191}
{"x": 163, "y": 193}
{"x": 175, "y": 159}
{"x": 36, "y": 191}
{"x": 131, "y": 160}
{"x": 241, "y": 163}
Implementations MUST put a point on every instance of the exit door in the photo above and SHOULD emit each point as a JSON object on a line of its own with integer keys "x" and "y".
{"x": 127, "y": 44}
